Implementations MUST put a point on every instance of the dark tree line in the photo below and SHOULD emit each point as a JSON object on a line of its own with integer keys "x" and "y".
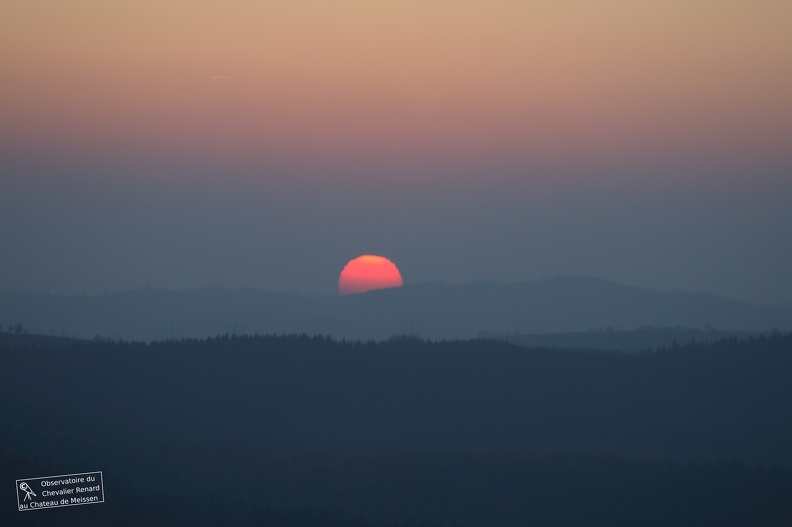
{"x": 17, "y": 329}
{"x": 315, "y": 431}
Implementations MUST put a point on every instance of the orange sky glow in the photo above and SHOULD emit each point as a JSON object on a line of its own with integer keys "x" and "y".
{"x": 388, "y": 80}
{"x": 182, "y": 143}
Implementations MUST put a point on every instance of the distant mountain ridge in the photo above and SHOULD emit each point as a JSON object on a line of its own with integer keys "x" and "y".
{"x": 430, "y": 310}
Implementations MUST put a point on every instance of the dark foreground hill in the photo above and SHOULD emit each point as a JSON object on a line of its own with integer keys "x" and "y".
{"x": 467, "y": 433}
{"x": 731, "y": 400}
{"x": 439, "y": 490}
{"x": 430, "y": 310}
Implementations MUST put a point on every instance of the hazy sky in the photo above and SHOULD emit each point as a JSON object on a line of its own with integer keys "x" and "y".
{"x": 243, "y": 143}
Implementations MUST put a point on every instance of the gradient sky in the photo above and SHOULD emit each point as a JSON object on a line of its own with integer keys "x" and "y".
{"x": 239, "y": 143}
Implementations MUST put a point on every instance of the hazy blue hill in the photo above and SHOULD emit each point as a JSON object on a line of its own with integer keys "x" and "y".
{"x": 35, "y": 341}
{"x": 608, "y": 339}
{"x": 576, "y": 304}
{"x": 431, "y": 310}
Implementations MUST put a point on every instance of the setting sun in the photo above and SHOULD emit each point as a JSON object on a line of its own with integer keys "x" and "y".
{"x": 368, "y": 272}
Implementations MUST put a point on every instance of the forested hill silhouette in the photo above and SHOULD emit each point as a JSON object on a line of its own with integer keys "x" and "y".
{"x": 430, "y": 310}
{"x": 467, "y": 433}
{"x": 727, "y": 400}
